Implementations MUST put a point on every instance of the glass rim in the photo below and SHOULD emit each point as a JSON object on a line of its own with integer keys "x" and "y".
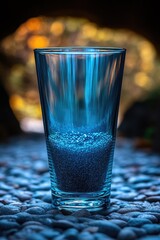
{"x": 79, "y": 50}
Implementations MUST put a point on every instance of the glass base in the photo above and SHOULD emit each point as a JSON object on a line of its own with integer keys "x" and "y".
{"x": 74, "y": 204}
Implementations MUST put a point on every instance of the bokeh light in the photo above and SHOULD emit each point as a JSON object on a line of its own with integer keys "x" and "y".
{"x": 142, "y": 67}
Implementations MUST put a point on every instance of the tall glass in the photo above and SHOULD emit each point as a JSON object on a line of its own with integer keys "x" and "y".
{"x": 80, "y": 91}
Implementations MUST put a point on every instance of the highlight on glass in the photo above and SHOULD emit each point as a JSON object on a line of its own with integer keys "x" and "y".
{"x": 80, "y": 89}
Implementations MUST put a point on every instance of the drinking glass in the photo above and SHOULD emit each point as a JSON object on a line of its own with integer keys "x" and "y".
{"x": 79, "y": 90}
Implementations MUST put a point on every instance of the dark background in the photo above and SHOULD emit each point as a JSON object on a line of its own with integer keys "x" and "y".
{"x": 138, "y": 15}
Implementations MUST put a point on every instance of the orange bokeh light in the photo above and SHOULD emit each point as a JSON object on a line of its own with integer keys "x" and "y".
{"x": 57, "y": 28}
{"x": 37, "y": 41}
{"x": 34, "y": 24}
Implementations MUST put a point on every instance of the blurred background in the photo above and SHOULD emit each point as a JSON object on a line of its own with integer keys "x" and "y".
{"x": 133, "y": 25}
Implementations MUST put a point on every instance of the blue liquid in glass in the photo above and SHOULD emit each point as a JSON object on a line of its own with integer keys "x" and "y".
{"x": 80, "y": 162}
{"x": 80, "y": 91}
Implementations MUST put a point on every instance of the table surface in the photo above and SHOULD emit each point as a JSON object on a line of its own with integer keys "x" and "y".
{"x": 26, "y": 212}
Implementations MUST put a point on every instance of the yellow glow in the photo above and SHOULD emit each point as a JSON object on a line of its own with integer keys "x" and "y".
{"x": 141, "y": 65}
{"x": 147, "y": 53}
{"x": 142, "y": 80}
{"x": 72, "y": 25}
{"x": 23, "y": 107}
{"x": 104, "y": 34}
{"x": 38, "y": 112}
{"x": 37, "y": 41}
{"x": 34, "y": 24}
{"x": 16, "y": 102}
{"x": 89, "y": 30}
{"x": 57, "y": 28}
{"x": 147, "y": 50}
{"x": 147, "y": 65}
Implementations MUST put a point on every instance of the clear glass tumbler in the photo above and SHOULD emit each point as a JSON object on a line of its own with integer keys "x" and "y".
{"x": 80, "y": 89}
